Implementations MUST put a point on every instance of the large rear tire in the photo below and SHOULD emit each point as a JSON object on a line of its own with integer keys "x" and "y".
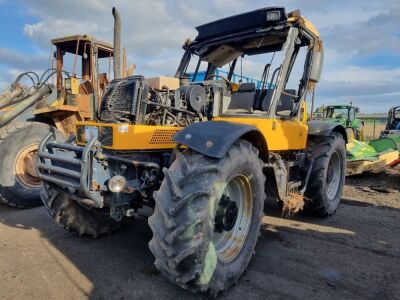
{"x": 207, "y": 218}
{"x": 19, "y": 184}
{"x": 327, "y": 177}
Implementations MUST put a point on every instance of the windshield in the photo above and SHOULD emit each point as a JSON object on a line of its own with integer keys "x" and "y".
{"x": 337, "y": 113}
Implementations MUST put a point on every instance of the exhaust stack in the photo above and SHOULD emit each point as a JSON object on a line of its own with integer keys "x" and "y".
{"x": 117, "y": 43}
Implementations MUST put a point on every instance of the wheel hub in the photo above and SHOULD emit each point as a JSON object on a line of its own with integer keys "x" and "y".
{"x": 333, "y": 176}
{"x": 329, "y": 174}
{"x": 226, "y": 215}
{"x": 233, "y": 217}
{"x": 25, "y": 167}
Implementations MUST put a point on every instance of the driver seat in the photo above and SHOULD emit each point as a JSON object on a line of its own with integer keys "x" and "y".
{"x": 244, "y": 98}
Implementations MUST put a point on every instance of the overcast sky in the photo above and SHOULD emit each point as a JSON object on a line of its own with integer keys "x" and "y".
{"x": 361, "y": 38}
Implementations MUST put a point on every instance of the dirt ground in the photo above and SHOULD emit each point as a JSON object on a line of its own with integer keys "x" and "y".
{"x": 354, "y": 254}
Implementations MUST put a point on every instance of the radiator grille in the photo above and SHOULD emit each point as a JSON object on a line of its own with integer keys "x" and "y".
{"x": 161, "y": 136}
{"x": 120, "y": 99}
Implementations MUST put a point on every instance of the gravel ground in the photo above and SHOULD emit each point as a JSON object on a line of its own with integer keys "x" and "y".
{"x": 353, "y": 255}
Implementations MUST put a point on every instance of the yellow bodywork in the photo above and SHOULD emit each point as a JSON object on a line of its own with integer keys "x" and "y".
{"x": 279, "y": 135}
{"x": 305, "y": 23}
{"x": 135, "y": 137}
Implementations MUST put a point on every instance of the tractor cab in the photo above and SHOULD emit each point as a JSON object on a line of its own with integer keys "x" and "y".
{"x": 273, "y": 40}
{"x": 81, "y": 75}
{"x": 344, "y": 114}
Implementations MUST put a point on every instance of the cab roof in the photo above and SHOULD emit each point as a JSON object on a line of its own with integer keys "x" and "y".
{"x": 69, "y": 43}
{"x": 259, "y": 31}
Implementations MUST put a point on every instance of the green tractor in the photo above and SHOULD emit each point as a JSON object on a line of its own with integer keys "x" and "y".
{"x": 344, "y": 115}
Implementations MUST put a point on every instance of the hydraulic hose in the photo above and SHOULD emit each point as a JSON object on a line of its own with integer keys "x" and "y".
{"x": 24, "y": 105}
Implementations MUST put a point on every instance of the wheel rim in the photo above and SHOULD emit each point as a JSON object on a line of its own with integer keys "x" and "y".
{"x": 25, "y": 166}
{"x": 333, "y": 176}
{"x": 228, "y": 243}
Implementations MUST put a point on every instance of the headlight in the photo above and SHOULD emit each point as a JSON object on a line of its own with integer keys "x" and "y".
{"x": 117, "y": 184}
{"x": 273, "y": 16}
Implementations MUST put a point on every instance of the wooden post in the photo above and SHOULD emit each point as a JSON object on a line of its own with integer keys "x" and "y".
{"x": 373, "y": 136}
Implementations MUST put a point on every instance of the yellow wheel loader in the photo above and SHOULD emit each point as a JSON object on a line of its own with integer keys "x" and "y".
{"x": 68, "y": 92}
{"x": 204, "y": 155}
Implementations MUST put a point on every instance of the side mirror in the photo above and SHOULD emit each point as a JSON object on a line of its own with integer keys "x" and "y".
{"x": 357, "y": 110}
{"x": 317, "y": 61}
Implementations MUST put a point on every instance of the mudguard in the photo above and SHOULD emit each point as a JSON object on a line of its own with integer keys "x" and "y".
{"x": 324, "y": 128}
{"x": 212, "y": 138}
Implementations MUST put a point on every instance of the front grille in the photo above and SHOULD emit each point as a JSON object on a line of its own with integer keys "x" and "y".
{"x": 161, "y": 136}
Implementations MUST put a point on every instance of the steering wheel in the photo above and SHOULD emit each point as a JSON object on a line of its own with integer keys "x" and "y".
{"x": 227, "y": 82}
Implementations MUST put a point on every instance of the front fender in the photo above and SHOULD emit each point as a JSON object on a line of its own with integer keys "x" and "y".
{"x": 212, "y": 138}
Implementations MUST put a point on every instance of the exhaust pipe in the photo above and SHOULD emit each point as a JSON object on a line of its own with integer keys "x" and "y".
{"x": 117, "y": 43}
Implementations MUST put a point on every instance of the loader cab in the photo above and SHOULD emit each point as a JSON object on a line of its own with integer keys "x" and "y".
{"x": 82, "y": 65}
{"x": 87, "y": 60}
{"x": 274, "y": 44}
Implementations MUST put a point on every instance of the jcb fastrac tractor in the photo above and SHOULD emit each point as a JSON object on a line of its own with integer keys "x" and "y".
{"x": 204, "y": 155}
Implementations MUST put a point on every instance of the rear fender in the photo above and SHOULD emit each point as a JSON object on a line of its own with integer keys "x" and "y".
{"x": 323, "y": 128}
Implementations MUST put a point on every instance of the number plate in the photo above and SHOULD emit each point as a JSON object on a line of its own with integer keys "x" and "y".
{"x": 91, "y": 132}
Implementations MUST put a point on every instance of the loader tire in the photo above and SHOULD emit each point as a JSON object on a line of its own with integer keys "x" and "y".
{"x": 76, "y": 218}
{"x": 200, "y": 241}
{"x": 19, "y": 185}
{"x": 327, "y": 177}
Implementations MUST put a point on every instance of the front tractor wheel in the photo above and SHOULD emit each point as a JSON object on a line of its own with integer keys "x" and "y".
{"x": 77, "y": 218}
{"x": 327, "y": 177}
{"x": 20, "y": 185}
{"x": 207, "y": 218}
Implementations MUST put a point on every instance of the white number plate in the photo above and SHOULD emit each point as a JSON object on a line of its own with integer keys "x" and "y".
{"x": 91, "y": 132}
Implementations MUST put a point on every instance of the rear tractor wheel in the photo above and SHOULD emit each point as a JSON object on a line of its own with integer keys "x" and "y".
{"x": 207, "y": 218}
{"x": 327, "y": 177}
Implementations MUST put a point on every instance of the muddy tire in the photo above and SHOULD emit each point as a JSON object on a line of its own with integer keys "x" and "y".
{"x": 19, "y": 184}
{"x": 76, "y": 218}
{"x": 197, "y": 241}
{"x": 327, "y": 177}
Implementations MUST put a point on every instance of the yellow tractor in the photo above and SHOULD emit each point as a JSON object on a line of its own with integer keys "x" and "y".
{"x": 54, "y": 102}
{"x": 204, "y": 155}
